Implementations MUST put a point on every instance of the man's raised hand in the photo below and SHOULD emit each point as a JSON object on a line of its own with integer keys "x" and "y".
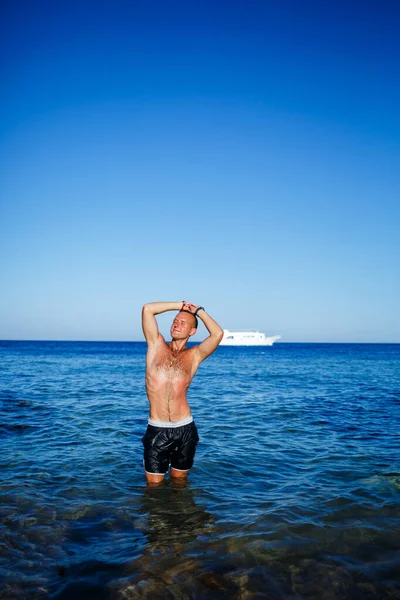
{"x": 189, "y": 307}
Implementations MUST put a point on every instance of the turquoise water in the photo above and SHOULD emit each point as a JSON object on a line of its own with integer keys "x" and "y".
{"x": 295, "y": 491}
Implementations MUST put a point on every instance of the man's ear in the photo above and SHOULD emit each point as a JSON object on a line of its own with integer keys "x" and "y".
{"x": 192, "y": 331}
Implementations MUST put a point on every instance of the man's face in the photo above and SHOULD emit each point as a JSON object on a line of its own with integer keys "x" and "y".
{"x": 183, "y": 326}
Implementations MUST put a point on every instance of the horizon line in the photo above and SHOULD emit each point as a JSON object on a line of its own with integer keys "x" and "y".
{"x": 81, "y": 341}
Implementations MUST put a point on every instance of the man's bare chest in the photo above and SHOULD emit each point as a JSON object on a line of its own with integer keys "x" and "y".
{"x": 173, "y": 366}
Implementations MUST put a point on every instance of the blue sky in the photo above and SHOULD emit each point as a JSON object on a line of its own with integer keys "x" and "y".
{"x": 241, "y": 155}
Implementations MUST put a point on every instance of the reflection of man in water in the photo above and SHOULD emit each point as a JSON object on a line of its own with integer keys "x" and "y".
{"x": 173, "y": 519}
{"x": 172, "y": 522}
{"x": 171, "y": 435}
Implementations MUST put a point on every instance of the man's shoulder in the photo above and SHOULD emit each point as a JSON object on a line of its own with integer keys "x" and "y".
{"x": 192, "y": 354}
{"x": 191, "y": 350}
{"x": 158, "y": 343}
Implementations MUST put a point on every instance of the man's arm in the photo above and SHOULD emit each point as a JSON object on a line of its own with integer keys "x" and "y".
{"x": 149, "y": 323}
{"x": 210, "y": 344}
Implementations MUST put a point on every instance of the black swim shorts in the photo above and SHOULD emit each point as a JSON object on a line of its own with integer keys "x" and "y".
{"x": 164, "y": 446}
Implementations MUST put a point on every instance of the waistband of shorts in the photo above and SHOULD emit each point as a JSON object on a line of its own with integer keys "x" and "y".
{"x": 172, "y": 424}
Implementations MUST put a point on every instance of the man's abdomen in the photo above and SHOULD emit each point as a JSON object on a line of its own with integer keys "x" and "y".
{"x": 168, "y": 402}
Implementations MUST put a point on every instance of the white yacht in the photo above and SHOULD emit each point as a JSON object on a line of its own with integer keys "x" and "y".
{"x": 247, "y": 337}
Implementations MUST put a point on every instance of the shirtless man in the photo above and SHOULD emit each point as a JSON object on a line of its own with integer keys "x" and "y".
{"x": 171, "y": 435}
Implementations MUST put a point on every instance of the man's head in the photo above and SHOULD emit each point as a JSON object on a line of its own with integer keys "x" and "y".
{"x": 184, "y": 325}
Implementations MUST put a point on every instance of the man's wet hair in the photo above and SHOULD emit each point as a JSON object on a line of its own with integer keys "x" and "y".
{"x": 196, "y": 321}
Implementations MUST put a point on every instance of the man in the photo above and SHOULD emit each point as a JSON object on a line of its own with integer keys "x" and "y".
{"x": 171, "y": 435}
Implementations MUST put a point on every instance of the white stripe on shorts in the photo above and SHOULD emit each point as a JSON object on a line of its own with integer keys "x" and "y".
{"x": 172, "y": 424}
{"x": 181, "y": 470}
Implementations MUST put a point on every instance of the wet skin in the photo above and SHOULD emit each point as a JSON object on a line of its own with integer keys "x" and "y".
{"x": 169, "y": 371}
{"x": 170, "y": 367}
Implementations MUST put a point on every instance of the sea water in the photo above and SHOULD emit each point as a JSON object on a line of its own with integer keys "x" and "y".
{"x": 295, "y": 491}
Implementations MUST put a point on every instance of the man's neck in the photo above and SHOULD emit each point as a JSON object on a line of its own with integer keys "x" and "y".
{"x": 178, "y": 345}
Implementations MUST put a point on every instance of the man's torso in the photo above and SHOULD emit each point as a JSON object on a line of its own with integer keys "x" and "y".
{"x": 168, "y": 376}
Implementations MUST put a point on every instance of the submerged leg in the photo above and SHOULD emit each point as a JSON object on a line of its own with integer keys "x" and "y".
{"x": 154, "y": 478}
{"x": 178, "y": 473}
